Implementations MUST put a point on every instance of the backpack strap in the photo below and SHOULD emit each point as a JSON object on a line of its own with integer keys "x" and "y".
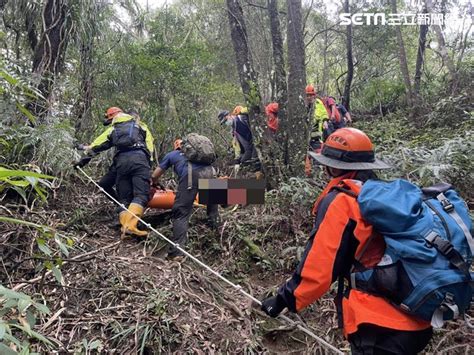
{"x": 356, "y": 264}
{"x": 449, "y": 208}
{"x": 190, "y": 176}
{"x": 447, "y": 249}
{"x": 344, "y": 190}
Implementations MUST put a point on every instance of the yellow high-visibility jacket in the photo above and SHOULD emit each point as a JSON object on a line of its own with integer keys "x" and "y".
{"x": 105, "y": 140}
{"x": 320, "y": 114}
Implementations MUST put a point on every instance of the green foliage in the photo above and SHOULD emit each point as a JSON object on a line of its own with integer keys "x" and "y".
{"x": 18, "y": 316}
{"x": 298, "y": 191}
{"x": 48, "y": 147}
{"x": 380, "y": 92}
{"x": 425, "y": 156}
{"x": 24, "y": 182}
{"x": 451, "y": 111}
{"x": 16, "y": 92}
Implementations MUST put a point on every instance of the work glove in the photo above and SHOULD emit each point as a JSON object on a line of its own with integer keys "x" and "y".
{"x": 80, "y": 146}
{"x": 273, "y": 306}
{"x": 81, "y": 163}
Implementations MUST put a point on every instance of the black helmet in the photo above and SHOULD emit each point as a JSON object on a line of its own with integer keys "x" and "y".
{"x": 222, "y": 116}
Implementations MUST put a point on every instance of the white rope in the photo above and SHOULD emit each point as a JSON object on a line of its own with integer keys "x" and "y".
{"x": 230, "y": 283}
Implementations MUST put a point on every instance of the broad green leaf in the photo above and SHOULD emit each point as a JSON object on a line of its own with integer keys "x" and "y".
{"x": 19, "y": 183}
{"x": 61, "y": 245}
{"x": 40, "y": 192}
{"x": 57, "y": 274}
{"x": 5, "y": 350}
{"x": 31, "y": 318}
{"x": 10, "y": 79}
{"x": 33, "y": 334}
{"x": 13, "y": 294}
{"x": 20, "y": 192}
{"x": 7, "y": 172}
{"x": 43, "y": 247}
{"x": 42, "y": 308}
{"x": 12, "y": 302}
{"x": 27, "y": 113}
{"x": 23, "y": 305}
{"x": 26, "y": 223}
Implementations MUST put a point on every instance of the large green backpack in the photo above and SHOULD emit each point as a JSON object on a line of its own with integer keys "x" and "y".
{"x": 198, "y": 149}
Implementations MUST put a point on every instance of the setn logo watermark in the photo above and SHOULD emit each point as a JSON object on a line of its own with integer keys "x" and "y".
{"x": 371, "y": 18}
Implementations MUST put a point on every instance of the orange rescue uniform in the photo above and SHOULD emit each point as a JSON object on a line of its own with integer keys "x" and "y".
{"x": 338, "y": 237}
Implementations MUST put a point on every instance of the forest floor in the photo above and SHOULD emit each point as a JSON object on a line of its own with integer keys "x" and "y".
{"x": 123, "y": 297}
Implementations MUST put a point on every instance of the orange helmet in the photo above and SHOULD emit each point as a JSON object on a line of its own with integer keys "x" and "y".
{"x": 272, "y": 107}
{"x": 112, "y": 111}
{"x": 310, "y": 90}
{"x": 349, "y": 149}
{"x": 177, "y": 144}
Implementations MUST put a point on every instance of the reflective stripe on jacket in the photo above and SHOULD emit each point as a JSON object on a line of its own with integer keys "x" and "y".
{"x": 338, "y": 235}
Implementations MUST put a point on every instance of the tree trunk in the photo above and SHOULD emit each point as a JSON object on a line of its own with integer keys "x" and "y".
{"x": 297, "y": 123}
{"x": 403, "y": 58}
{"x": 247, "y": 76}
{"x": 420, "y": 58}
{"x": 82, "y": 109}
{"x": 325, "y": 76}
{"x": 448, "y": 61}
{"x": 280, "y": 94}
{"x": 268, "y": 153}
{"x": 346, "y": 101}
{"x": 49, "y": 54}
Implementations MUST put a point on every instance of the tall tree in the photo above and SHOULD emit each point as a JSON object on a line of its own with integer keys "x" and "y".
{"x": 420, "y": 58}
{"x": 267, "y": 152}
{"x": 403, "y": 58}
{"x": 448, "y": 61}
{"x": 350, "y": 61}
{"x": 280, "y": 92}
{"x": 296, "y": 124}
{"x": 48, "y": 56}
{"x": 87, "y": 31}
{"x": 247, "y": 75}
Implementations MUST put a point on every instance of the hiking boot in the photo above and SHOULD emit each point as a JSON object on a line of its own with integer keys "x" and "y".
{"x": 129, "y": 222}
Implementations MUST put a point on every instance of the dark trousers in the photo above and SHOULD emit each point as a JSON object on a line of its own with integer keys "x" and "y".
{"x": 247, "y": 150}
{"x": 133, "y": 177}
{"x": 374, "y": 340}
{"x": 107, "y": 182}
{"x": 183, "y": 207}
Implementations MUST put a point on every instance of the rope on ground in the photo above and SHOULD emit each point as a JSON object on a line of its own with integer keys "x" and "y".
{"x": 215, "y": 273}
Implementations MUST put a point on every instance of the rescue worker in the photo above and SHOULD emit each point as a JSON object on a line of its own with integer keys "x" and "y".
{"x": 107, "y": 182}
{"x": 371, "y": 324}
{"x": 335, "y": 121}
{"x": 239, "y": 121}
{"x": 271, "y": 111}
{"x": 318, "y": 118}
{"x": 134, "y": 150}
{"x": 345, "y": 114}
{"x": 185, "y": 196}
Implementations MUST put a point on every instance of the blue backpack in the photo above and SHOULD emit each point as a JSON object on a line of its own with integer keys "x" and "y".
{"x": 429, "y": 249}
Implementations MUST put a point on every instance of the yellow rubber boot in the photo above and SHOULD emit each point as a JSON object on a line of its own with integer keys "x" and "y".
{"x": 124, "y": 218}
{"x": 131, "y": 225}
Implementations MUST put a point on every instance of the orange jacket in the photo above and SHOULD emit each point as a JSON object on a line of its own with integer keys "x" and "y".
{"x": 271, "y": 110}
{"x": 340, "y": 234}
